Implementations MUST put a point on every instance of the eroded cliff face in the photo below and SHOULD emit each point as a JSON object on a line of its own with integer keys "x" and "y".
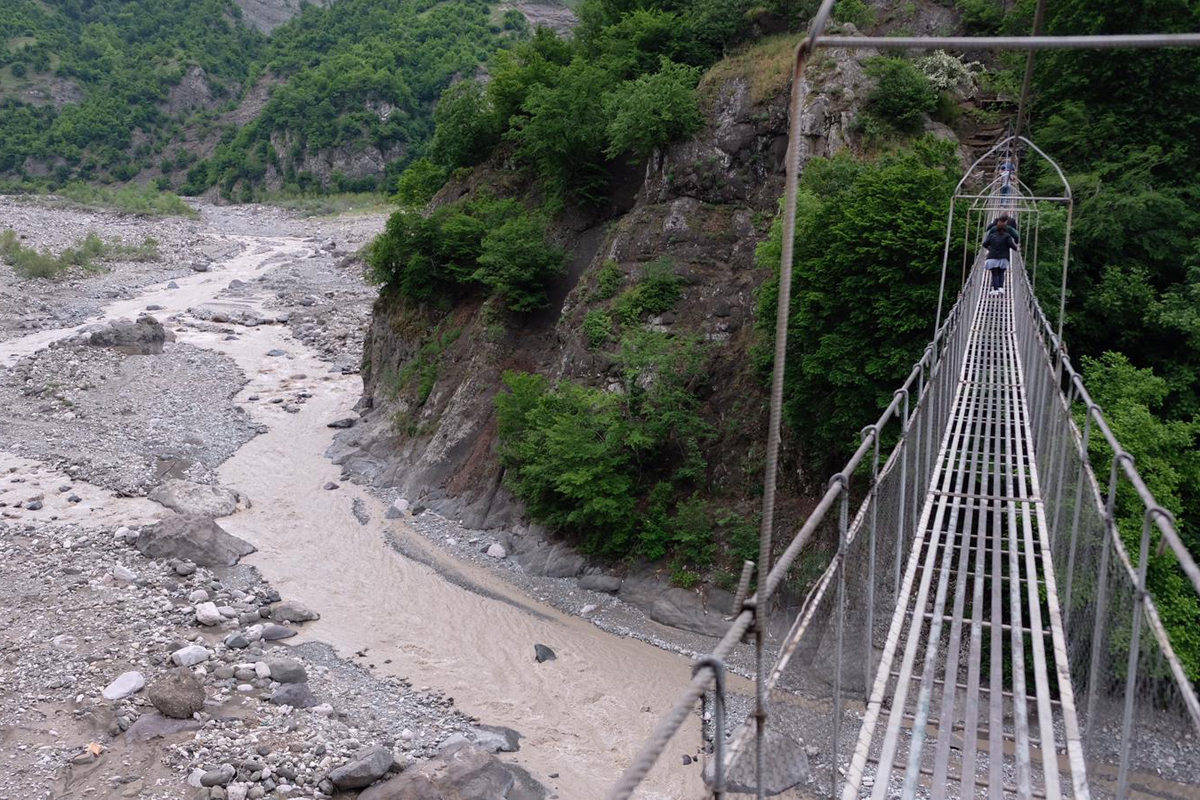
{"x": 703, "y": 204}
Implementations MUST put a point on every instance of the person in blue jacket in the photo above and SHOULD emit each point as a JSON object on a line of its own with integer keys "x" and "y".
{"x": 998, "y": 243}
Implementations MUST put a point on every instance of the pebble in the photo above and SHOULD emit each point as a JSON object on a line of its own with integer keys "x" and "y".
{"x": 124, "y": 685}
{"x": 191, "y": 655}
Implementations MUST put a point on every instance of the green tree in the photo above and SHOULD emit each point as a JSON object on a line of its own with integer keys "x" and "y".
{"x": 902, "y": 95}
{"x": 866, "y": 271}
{"x": 419, "y": 182}
{"x": 652, "y": 110}
{"x": 517, "y": 263}
{"x": 467, "y": 127}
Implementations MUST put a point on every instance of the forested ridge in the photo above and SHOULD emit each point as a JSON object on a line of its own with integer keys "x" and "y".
{"x": 85, "y": 88}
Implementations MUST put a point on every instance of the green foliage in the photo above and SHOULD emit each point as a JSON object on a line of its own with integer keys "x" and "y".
{"x": 30, "y": 263}
{"x": 597, "y": 328}
{"x": 981, "y": 16}
{"x": 652, "y": 110}
{"x": 460, "y": 248}
{"x": 142, "y": 200}
{"x": 901, "y": 97}
{"x": 609, "y": 280}
{"x": 467, "y": 127}
{"x": 517, "y": 263}
{"x": 419, "y": 182}
{"x": 615, "y": 469}
{"x": 856, "y": 12}
{"x": 866, "y": 276}
{"x": 656, "y": 292}
{"x": 1168, "y": 459}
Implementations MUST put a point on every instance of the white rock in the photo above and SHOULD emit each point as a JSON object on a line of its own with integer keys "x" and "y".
{"x": 237, "y": 791}
{"x": 407, "y": 735}
{"x": 191, "y": 655}
{"x": 207, "y": 614}
{"x": 245, "y": 688}
{"x": 126, "y": 684}
{"x": 325, "y": 710}
{"x": 194, "y": 778}
{"x": 253, "y": 633}
{"x": 588, "y": 608}
{"x": 198, "y": 596}
{"x": 497, "y": 551}
{"x": 122, "y": 573}
{"x": 227, "y": 611}
{"x": 400, "y": 505}
{"x": 65, "y": 642}
{"x": 122, "y": 534}
{"x": 262, "y": 669}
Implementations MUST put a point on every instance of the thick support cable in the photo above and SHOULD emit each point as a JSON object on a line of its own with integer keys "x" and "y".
{"x": 782, "y": 312}
{"x": 1120, "y": 41}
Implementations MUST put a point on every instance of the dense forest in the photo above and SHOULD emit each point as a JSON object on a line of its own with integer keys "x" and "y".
{"x": 85, "y": 88}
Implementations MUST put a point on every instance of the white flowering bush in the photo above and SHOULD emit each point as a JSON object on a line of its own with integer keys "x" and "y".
{"x": 947, "y": 73}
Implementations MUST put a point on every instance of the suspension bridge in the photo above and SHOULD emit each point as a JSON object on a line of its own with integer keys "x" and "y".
{"x": 984, "y": 626}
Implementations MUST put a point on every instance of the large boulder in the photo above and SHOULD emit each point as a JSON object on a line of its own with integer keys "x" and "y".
{"x": 144, "y": 337}
{"x": 368, "y": 767}
{"x": 293, "y": 611}
{"x": 179, "y": 694}
{"x": 460, "y": 772}
{"x": 191, "y": 537}
{"x": 186, "y": 497}
{"x": 296, "y": 695}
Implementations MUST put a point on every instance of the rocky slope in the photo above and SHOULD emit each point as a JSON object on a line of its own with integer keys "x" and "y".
{"x": 703, "y": 204}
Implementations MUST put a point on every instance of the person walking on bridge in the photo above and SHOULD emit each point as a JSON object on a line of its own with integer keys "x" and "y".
{"x": 1009, "y": 224}
{"x": 998, "y": 243}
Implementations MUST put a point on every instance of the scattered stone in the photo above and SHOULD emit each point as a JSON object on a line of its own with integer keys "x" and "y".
{"x": 271, "y": 633}
{"x": 296, "y": 695}
{"x": 330, "y": 486}
{"x": 178, "y": 695}
{"x": 152, "y": 726}
{"x": 195, "y": 538}
{"x": 543, "y": 653}
{"x": 236, "y": 641}
{"x": 144, "y": 337}
{"x": 191, "y": 655}
{"x": 287, "y": 670}
{"x": 126, "y": 683}
{"x": 276, "y": 353}
{"x": 207, "y": 614}
{"x": 123, "y": 574}
{"x": 345, "y": 422}
{"x": 186, "y": 497}
{"x": 497, "y": 551}
{"x": 219, "y": 776}
{"x": 293, "y": 611}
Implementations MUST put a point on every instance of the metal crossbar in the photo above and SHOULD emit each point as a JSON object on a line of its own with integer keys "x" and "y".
{"x": 1001, "y": 638}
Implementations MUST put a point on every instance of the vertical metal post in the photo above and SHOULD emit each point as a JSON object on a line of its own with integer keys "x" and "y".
{"x": 1037, "y": 227}
{"x": 1064, "y": 434}
{"x": 1062, "y": 292}
{"x": 1099, "y": 626}
{"x": 873, "y": 499}
{"x": 843, "y": 523}
{"x": 718, "y": 668}
{"x": 1083, "y": 460}
{"x": 945, "y": 260}
{"x": 966, "y": 243}
{"x": 901, "y": 528}
{"x": 1135, "y": 642}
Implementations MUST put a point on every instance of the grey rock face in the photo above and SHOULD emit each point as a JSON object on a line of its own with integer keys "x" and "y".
{"x": 362, "y": 771}
{"x": 287, "y": 670}
{"x": 296, "y": 695}
{"x": 186, "y": 497}
{"x": 600, "y": 583}
{"x": 194, "y": 538}
{"x": 460, "y": 772}
{"x": 178, "y": 694}
{"x": 144, "y": 337}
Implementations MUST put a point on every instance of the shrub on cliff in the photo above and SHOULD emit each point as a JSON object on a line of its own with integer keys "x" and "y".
{"x": 652, "y": 110}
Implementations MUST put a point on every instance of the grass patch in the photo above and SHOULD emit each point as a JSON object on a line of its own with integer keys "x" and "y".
{"x": 145, "y": 201}
{"x": 656, "y": 292}
{"x": 31, "y": 263}
{"x": 331, "y": 205}
{"x": 597, "y": 328}
{"x": 767, "y": 65}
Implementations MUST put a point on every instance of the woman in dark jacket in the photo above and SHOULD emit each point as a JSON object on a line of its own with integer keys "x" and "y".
{"x": 998, "y": 243}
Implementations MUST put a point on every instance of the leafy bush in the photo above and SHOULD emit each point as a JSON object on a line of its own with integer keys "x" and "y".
{"x": 517, "y": 263}
{"x": 609, "y": 280}
{"x": 459, "y": 248}
{"x": 902, "y": 95}
{"x": 856, "y": 12}
{"x": 142, "y": 200}
{"x": 466, "y": 126}
{"x": 652, "y": 110}
{"x": 608, "y": 467}
{"x": 597, "y": 328}
{"x": 865, "y": 283}
{"x": 27, "y": 262}
{"x": 656, "y": 292}
{"x": 420, "y": 182}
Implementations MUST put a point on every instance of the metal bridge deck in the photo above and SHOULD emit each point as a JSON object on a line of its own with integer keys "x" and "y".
{"x": 972, "y": 695}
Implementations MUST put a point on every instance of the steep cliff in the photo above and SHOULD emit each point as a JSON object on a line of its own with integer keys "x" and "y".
{"x": 702, "y": 205}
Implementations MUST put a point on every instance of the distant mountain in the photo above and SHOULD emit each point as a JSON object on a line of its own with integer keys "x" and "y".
{"x": 240, "y": 95}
